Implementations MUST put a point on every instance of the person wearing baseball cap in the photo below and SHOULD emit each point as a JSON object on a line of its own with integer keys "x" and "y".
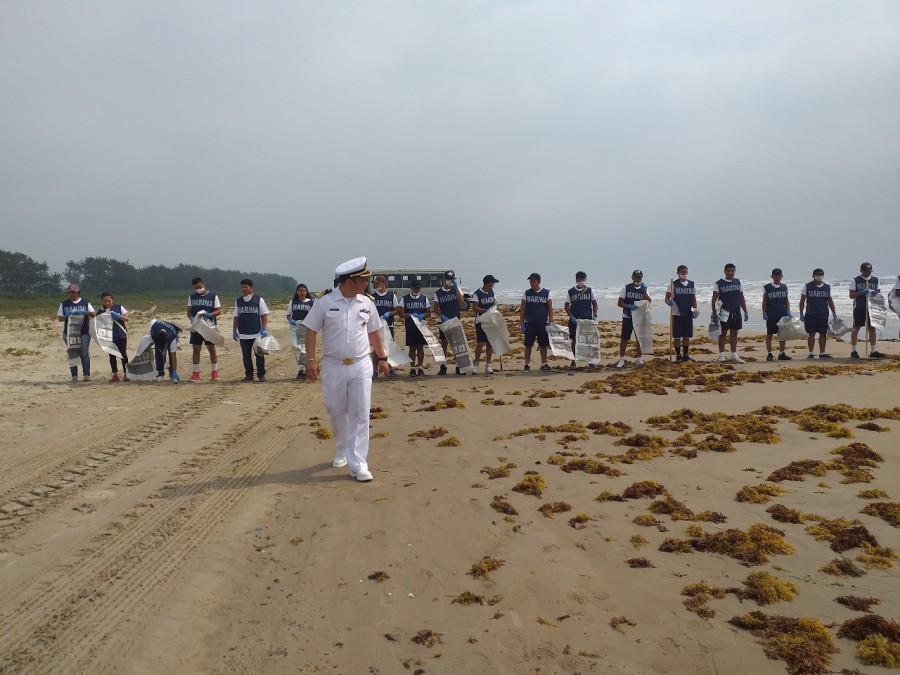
{"x": 535, "y": 314}
{"x": 446, "y": 306}
{"x": 730, "y": 292}
{"x": 484, "y": 300}
{"x": 414, "y": 305}
{"x": 681, "y": 296}
{"x": 581, "y": 303}
{"x": 775, "y": 306}
{"x": 628, "y": 297}
{"x": 74, "y": 312}
{"x": 860, "y": 288}
{"x": 349, "y": 323}
{"x": 815, "y": 301}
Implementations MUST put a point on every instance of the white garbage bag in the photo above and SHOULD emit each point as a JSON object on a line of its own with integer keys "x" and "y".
{"x": 434, "y": 346}
{"x": 395, "y": 355}
{"x": 207, "y": 330}
{"x": 587, "y": 342}
{"x": 791, "y": 328}
{"x": 560, "y": 344}
{"x": 494, "y": 326}
{"x": 642, "y": 320}
{"x": 263, "y": 346}
{"x": 456, "y": 337}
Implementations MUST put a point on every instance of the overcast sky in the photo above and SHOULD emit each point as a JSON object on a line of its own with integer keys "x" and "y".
{"x": 491, "y": 137}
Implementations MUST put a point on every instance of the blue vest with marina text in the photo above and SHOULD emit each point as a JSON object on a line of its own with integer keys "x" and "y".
{"x": 730, "y": 294}
{"x": 485, "y": 299}
{"x": 580, "y": 305}
{"x": 448, "y": 301}
{"x": 536, "y": 306}
{"x": 859, "y": 283}
{"x": 68, "y": 305}
{"x": 817, "y": 300}
{"x": 683, "y": 295}
{"x": 198, "y": 303}
{"x": 776, "y": 298}
{"x": 300, "y": 308}
{"x": 384, "y": 303}
{"x": 118, "y": 333}
{"x": 249, "y": 319}
{"x": 413, "y": 305}
{"x": 633, "y": 294}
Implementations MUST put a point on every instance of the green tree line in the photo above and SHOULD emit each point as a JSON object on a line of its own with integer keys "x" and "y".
{"x": 21, "y": 274}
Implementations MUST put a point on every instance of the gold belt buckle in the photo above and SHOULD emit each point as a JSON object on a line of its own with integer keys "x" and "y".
{"x": 347, "y": 362}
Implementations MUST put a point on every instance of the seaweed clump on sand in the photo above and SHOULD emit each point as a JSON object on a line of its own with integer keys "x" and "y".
{"x": 591, "y": 466}
{"x": 531, "y": 485}
{"x": 494, "y": 401}
{"x": 841, "y": 567}
{"x": 677, "y": 510}
{"x": 638, "y": 541}
{"x": 758, "y": 494}
{"x": 449, "y": 442}
{"x": 855, "y": 461}
{"x": 379, "y": 577}
{"x": 551, "y": 508}
{"x": 468, "y": 598}
{"x": 618, "y": 621}
{"x": 607, "y": 496}
{"x": 804, "y": 643}
{"x": 881, "y": 557}
{"x": 783, "y": 514}
{"x": 644, "y": 489}
{"x": 428, "y": 638}
{"x": 874, "y": 493}
{"x": 579, "y": 521}
{"x": 444, "y": 404}
{"x": 872, "y": 426}
{"x": 887, "y": 511}
{"x": 646, "y": 520}
{"x": 429, "y": 434}
{"x": 842, "y": 533}
{"x": 502, "y": 471}
{"x": 878, "y": 638}
{"x": 856, "y": 603}
{"x": 609, "y": 428}
{"x": 501, "y": 504}
{"x": 698, "y": 595}
{"x": 483, "y": 568}
{"x": 764, "y": 589}
{"x": 639, "y": 563}
{"x": 798, "y": 470}
{"x": 751, "y": 547}
{"x": 323, "y": 434}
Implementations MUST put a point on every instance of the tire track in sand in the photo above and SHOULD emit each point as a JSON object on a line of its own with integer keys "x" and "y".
{"x": 61, "y": 619}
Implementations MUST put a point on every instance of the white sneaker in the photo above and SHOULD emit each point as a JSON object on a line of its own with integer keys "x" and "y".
{"x": 339, "y": 462}
{"x": 363, "y": 475}
{"x": 639, "y": 361}
{"x": 621, "y": 363}
{"x": 721, "y": 358}
{"x": 488, "y": 370}
{"x": 736, "y": 359}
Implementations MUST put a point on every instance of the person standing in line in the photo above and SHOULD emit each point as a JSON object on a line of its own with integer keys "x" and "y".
{"x": 815, "y": 299}
{"x": 682, "y": 298}
{"x": 300, "y": 305}
{"x": 165, "y": 339}
{"x": 251, "y": 316}
{"x": 414, "y": 304}
{"x": 446, "y": 307}
{"x": 896, "y": 289}
{"x": 120, "y": 334}
{"x": 203, "y": 302}
{"x": 860, "y": 288}
{"x": 628, "y": 297}
{"x": 535, "y": 314}
{"x": 581, "y": 303}
{"x": 730, "y": 291}
{"x": 484, "y": 300}
{"x": 349, "y": 323}
{"x": 388, "y": 307}
{"x": 78, "y": 345}
{"x": 775, "y": 306}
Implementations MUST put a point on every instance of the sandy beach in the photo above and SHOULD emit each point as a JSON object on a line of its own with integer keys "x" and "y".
{"x": 148, "y": 528}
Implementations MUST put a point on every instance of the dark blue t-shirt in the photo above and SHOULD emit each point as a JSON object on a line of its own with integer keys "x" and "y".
{"x": 730, "y": 294}
{"x": 580, "y": 302}
{"x": 199, "y": 303}
{"x": 776, "y": 299}
{"x": 485, "y": 299}
{"x": 536, "y": 306}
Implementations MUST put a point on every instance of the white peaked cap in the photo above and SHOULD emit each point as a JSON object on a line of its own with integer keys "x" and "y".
{"x": 353, "y": 268}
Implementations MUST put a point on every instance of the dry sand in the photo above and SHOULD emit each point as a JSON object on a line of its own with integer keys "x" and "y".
{"x": 148, "y": 528}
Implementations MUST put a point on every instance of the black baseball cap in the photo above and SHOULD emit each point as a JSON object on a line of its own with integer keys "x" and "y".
{"x": 489, "y": 278}
{"x": 777, "y": 271}
{"x": 865, "y": 267}
{"x": 415, "y": 283}
{"x": 449, "y": 274}
{"x": 818, "y": 271}
{"x": 535, "y": 276}
{"x": 637, "y": 273}
{"x": 580, "y": 275}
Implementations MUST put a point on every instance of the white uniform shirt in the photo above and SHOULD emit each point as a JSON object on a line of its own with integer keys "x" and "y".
{"x": 345, "y": 324}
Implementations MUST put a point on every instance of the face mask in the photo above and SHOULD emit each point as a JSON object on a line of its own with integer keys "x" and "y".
{"x": 682, "y": 275}
{"x": 580, "y": 284}
{"x": 200, "y": 290}
{"x": 247, "y": 297}
{"x": 819, "y": 277}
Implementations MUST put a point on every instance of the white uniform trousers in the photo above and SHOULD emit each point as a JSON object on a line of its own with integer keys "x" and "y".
{"x": 347, "y": 391}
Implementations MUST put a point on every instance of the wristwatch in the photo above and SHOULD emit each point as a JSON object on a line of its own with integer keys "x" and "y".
{"x": 381, "y": 358}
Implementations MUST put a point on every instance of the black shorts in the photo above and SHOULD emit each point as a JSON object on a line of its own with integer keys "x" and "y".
{"x": 414, "y": 338}
{"x": 815, "y": 324}
{"x": 772, "y": 325}
{"x": 479, "y": 334}
{"x": 859, "y": 317}
{"x": 197, "y": 339}
{"x": 734, "y": 322}
{"x": 539, "y": 331}
{"x": 627, "y": 327}
{"x": 682, "y": 326}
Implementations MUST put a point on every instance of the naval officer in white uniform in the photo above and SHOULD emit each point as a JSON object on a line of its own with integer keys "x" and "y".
{"x": 349, "y": 324}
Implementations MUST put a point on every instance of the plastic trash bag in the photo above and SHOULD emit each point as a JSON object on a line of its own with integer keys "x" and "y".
{"x": 791, "y": 328}
{"x": 263, "y": 346}
{"x": 207, "y": 330}
{"x": 715, "y": 330}
{"x": 837, "y": 327}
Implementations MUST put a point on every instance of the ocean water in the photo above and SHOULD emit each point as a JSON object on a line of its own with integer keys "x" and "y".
{"x": 607, "y": 297}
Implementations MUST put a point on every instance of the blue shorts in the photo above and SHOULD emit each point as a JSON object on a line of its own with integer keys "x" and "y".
{"x": 816, "y": 324}
{"x": 479, "y": 333}
{"x": 682, "y": 326}
{"x": 536, "y": 330}
{"x": 627, "y": 327}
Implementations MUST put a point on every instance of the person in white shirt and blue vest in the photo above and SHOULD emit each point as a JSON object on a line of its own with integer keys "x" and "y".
{"x": 860, "y": 288}
{"x": 581, "y": 303}
{"x": 535, "y": 314}
{"x": 775, "y": 306}
{"x": 682, "y": 298}
{"x": 119, "y": 317}
{"x": 251, "y": 316}
{"x": 298, "y": 308}
{"x": 78, "y": 341}
{"x": 484, "y": 301}
{"x": 205, "y": 303}
{"x": 628, "y": 299}
{"x": 349, "y": 323}
{"x": 730, "y": 291}
{"x": 815, "y": 301}
{"x": 446, "y": 307}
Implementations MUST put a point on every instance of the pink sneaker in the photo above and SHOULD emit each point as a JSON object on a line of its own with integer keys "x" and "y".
{"x": 195, "y": 377}
{"x": 215, "y": 376}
